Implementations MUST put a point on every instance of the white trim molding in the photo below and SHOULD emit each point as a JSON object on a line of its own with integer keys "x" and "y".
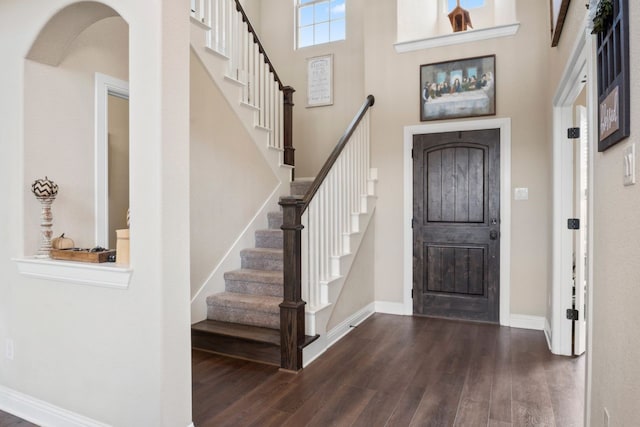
{"x": 105, "y": 275}
{"x": 104, "y": 86}
{"x": 525, "y": 321}
{"x": 40, "y": 412}
{"x": 504, "y": 124}
{"x": 458, "y": 38}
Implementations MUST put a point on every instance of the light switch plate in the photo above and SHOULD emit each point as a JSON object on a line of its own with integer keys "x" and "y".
{"x": 521, "y": 193}
{"x": 629, "y": 165}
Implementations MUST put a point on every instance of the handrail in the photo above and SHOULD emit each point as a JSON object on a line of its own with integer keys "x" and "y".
{"x": 317, "y": 182}
{"x": 324, "y": 232}
{"x": 256, "y": 40}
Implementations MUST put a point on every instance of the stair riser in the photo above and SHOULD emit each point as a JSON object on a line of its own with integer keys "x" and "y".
{"x": 269, "y": 240}
{"x": 275, "y": 220}
{"x": 261, "y": 263}
{"x": 254, "y": 288}
{"x": 235, "y": 347}
{"x": 299, "y": 188}
{"x": 244, "y": 317}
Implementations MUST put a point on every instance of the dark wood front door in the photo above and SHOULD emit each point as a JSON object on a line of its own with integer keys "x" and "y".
{"x": 456, "y": 225}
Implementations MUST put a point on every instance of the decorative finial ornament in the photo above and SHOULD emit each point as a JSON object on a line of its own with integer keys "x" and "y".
{"x": 45, "y": 191}
{"x": 44, "y": 188}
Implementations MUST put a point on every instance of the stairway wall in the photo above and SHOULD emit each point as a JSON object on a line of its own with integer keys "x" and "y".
{"x": 358, "y": 290}
{"x": 230, "y": 180}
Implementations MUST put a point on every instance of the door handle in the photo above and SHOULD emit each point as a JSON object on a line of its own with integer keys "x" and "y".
{"x": 493, "y": 234}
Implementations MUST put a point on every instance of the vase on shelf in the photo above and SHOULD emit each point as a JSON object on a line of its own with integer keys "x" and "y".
{"x": 45, "y": 191}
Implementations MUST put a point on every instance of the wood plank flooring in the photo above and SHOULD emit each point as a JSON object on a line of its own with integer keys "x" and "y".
{"x": 8, "y": 420}
{"x": 400, "y": 371}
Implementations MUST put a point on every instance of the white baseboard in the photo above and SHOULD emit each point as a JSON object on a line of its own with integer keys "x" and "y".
{"x": 390, "y": 307}
{"x": 346, "y": 326}
{"x": 319, "y": 346}
{"x": 40, "y": 412}
{"x": 547, "y": 332}
{"x": 524, "y": 321}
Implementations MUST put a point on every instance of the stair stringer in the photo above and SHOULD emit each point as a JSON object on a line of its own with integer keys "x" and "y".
{"x": 317, "y": 318}
{"x": 217, "y": 66}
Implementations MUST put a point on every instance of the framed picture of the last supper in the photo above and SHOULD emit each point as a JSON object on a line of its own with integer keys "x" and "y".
{"x": 460, "y": 88}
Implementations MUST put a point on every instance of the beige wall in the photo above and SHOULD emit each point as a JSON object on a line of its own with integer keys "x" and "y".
{"x": 118, "y": 165}
{"x": 230, "y": 179}
{"x": 358, "y": 289}
{"x": 60, "y": 132}
{"x": 121, "y": 357}
{"x": 374, "y": 67}
{"x": 521, "y": 76}
{"x": 616, "y": 290}
{"x": 316, "y": 130}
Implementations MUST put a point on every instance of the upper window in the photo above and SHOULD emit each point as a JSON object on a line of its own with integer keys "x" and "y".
{"x": 320, "y": 21}
{"x": 467, "y": 4}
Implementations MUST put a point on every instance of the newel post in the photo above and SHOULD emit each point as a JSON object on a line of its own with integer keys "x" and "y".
{"x": 292, "y": 307}
{"x": 289, "y": 151}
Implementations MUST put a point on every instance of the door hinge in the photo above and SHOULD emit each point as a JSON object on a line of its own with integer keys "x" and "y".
{"x": 412, "y": 153}
{"x": 573, "y": 133}
{"x": 573, "y": 224}
{"x": 413, "y": 222}
{"x": 411, "y": 293}
{"x": 572, "y": 314}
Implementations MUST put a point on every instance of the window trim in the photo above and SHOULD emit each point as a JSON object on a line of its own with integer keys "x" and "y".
{"x": 299, "y": 5}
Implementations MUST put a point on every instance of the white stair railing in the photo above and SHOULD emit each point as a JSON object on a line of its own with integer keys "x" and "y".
{"x": 332, "y": 216}
{"x": 231, "y": 35}
{"x": 319, "y": 229}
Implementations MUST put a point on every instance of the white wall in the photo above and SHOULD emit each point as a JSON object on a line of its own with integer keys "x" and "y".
{"x": 230, "y": 180}
{"x": 616, "y": 290}
{"x": 375, "y": 67}
{"x": 424, "y": 19}
{"x": 119, "y": 357}
{"x": 59, "y": 129}
{"x": 316, "y": 130}
{"x": 520, "y": 94}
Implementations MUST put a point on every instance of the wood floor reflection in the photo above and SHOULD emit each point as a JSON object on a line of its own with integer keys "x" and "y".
{"x": 400, "y": 371}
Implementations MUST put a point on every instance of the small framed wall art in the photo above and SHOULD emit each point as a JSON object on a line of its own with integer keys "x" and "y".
{"x": 320, "y": 81}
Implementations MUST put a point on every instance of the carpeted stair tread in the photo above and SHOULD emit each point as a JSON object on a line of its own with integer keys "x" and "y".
{"x": 262, "y": 259}
{"x": 271, "y": 238}
{"x": 300, "y": 186}
{"x": 258, "y": 276}
{"x": 255, "y": 282}
{"x": 256, "y": 310}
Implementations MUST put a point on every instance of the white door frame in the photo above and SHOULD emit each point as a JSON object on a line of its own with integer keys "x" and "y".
{"x": 582, "y": 62}
{"x": 104, "y": 86}
{"x": 569, "y": 88}
{"x": 504, "y": 124}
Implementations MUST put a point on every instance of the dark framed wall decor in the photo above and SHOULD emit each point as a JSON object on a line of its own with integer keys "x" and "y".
{"x": 559, "y": 10}
{"x": 459, "y": 88}
{"x": 612, "y": 64}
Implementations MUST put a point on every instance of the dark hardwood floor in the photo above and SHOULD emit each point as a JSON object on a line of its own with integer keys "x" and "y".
{"x": 400, "y": 371}
{"x": 8, "y": 420}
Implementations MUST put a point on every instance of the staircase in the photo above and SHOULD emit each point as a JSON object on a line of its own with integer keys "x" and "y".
{"x": 296, "y": 271}
{"x": 244, "y": 320}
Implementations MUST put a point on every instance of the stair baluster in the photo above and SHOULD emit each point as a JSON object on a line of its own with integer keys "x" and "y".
{"x": 323, "y": 220}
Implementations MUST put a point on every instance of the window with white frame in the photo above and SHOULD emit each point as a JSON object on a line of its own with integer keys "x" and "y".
{"x": 320, "y": 21}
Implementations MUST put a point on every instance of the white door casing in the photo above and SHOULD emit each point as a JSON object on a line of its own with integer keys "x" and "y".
{"x": 504, "y": 124}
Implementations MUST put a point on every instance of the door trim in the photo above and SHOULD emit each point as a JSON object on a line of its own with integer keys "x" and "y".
{"x": 581, "y": 61}
{"x": 504, "y": 124}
